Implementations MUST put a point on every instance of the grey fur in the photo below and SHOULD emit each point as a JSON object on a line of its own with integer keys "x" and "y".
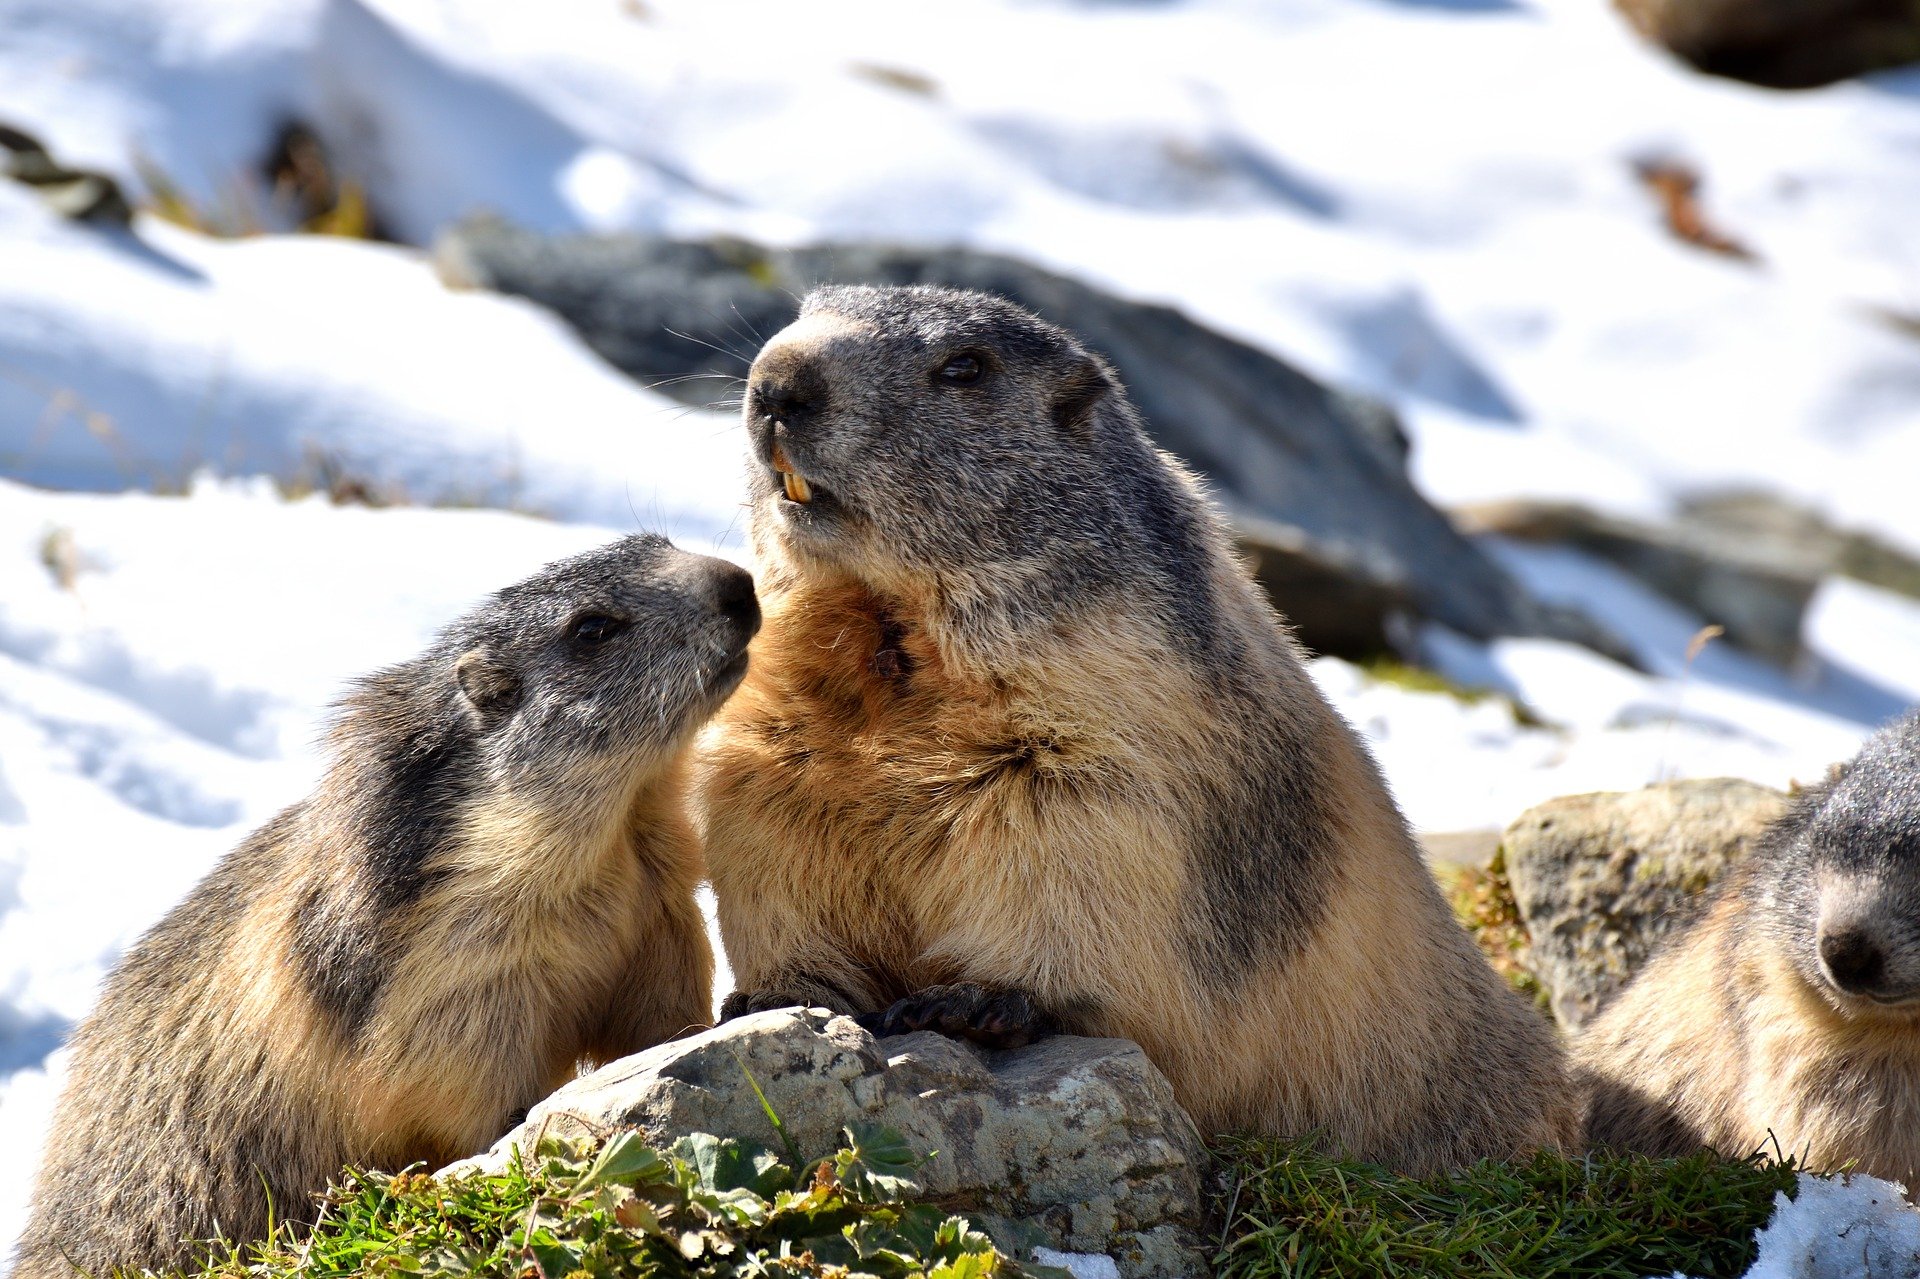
{"x": 1809, "y": 948}
{"x": 183, "y": 1114}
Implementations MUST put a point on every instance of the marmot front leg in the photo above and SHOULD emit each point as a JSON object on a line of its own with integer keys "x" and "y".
{"x": 667, "y": 988}
{"x": 992, "y": 1018}
{"x": 804, "y": 990}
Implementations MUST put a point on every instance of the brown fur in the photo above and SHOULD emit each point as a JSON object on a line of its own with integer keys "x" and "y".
{"x": 905, "y": 795}
{"x": 1740, "y": 1035}
{"x": 1720, "y": 1044}
{"x": 543, "y": 916}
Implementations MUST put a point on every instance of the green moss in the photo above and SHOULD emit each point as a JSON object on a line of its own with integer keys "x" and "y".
{"x": 1419, "y": 679}
{"x": 1294, "y": 1212}
{"x": 706, "y": 1206}
{"x": 1482, "y": 901}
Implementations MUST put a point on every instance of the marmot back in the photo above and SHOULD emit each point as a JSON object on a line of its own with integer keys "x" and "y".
{"x": 493, "y": 881}
{"x": 1025, "y": 747}
{"x": 1788, "y": 1015}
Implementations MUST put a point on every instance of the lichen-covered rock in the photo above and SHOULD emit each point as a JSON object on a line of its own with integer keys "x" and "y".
{"x": 1079, "y": 1138}
{"x": 1600, "y": 880}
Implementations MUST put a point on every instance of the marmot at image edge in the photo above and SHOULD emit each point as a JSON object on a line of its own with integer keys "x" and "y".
{"x": 1787, "y": 1017}
{"x": 494, "y": 880}
{"x": 1025, "y": 748}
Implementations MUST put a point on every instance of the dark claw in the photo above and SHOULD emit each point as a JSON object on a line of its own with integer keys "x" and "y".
{"x": 990, "y": 1018}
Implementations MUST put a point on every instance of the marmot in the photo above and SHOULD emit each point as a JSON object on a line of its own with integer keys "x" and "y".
{"x": 494, "y": 880}
{"x": 1787, "y": 1016}
{"x": 1024, "y": 747}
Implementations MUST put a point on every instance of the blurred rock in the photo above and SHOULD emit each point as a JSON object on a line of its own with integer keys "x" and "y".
{"x": 1316, "y": 479}
{"x": 1599, "y": 880}
{"x": 1776, "y": 529}
{"x": 1758, "y": 588}
{"x": 80, "y": 194}
{"x": 1786, "y": 44}
{"x": 1079, "y": 1140}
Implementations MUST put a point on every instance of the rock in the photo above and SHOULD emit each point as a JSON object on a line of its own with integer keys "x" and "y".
{"x": 1600, "y": 880}
{"x": 1774, "y": 528}
{"x": 1786, "y": 44}
{"x": 1459, "y": 847}
{"x": 1079, "y": 1138}
{"x": 1758, "y": 589}
{"x": 1315, "y": 478}
{"x": 80, "y": 194}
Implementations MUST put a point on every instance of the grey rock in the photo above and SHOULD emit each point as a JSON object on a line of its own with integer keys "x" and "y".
{"x": 1758, "y": 589}
{"x": 1078, "y": 1138}
{"x": 1600, "y": 880}
{"x": 82, "y": 195}
{"x": 1777, "y": 529}
{"x": 1315, "y": 479}
{"x": 1787, "y": 44}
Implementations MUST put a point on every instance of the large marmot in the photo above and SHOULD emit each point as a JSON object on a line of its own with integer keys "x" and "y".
{"x": 1025, "y": 747}
{"x": 1787, "y": 1017}
{"x": 494, "y": 881}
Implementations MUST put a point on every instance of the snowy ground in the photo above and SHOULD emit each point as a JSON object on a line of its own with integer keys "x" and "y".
{"x": 1431, "y": 199}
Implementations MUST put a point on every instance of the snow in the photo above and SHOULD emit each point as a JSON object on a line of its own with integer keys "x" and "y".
{"x": 1854, "y": 1227}
{"x": 1433, "y": 202}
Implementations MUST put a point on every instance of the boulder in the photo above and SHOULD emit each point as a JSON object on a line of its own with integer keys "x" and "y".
{"x": 1778, "y": 529}
{"x": 1315, "y": 478}
{"x": 1786, "y": 44}
{"x": 1074, "y": 1142}
{"x": 1599, "y": 880}
{"x": 1757, "y": 588}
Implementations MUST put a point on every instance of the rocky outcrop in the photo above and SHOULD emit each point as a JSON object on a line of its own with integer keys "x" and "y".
{"x": 1315, "y": 478}
{"x": 1599, "y": 880}
{"x": 1758, "y": 589}
{"x": 1075, "y": 1141}
{"x": 1774, "y": 527}
{"x": 1787, "y": 44}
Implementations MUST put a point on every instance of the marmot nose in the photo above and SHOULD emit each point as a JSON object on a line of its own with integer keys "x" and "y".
{"x": 1853, "y": 960}
{"x": 790, "y": 403}
{"x": 734, "y": 597}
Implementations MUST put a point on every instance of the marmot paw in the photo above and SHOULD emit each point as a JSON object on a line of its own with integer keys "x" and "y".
{"x": 990, "y": 1018}
{"x": 742, "y": 1002}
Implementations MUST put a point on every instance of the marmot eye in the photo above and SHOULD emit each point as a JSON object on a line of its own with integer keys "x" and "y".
{"x": 962, "y": 368}
{"x": 594, "y": 628}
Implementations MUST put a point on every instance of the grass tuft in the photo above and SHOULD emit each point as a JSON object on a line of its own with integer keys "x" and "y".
{"x": 705, "y": 1206}
{"x": 1296, "y": 1213}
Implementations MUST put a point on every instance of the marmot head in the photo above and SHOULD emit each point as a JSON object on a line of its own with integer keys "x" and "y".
{"x": 600, "y": 666}
{"x": 1841, "y": 879}
{"x": 950, "y": 444}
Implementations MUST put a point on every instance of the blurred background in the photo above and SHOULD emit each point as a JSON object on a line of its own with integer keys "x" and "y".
{"x": 1558, "y": 363}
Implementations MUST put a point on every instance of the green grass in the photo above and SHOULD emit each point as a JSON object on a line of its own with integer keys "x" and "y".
{"x": 706, "y": 1206}
{"x": 1291, "y": 1211}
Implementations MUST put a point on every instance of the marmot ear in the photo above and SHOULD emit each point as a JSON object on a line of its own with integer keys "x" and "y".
{"x": 487, "y": 682}
{"x": 1081, "y": 391}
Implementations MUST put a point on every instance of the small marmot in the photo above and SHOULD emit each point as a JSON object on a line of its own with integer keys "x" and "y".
{"x": 1025, "y": 748}
{"x": 494, "y": 880}
{"x": 1787, "y": 1016}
